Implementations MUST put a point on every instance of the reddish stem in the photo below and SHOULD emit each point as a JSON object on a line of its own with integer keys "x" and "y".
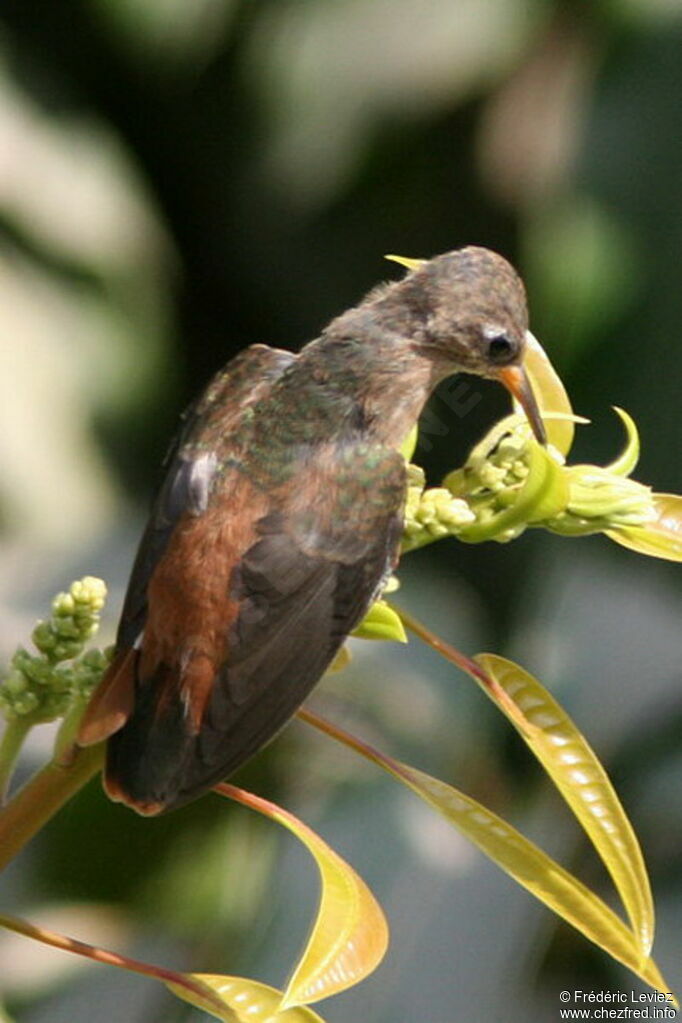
{"x": 347, "y": 738}
{"x": 250, "y": 799}
{"x": 102, "y": 955}
{"x": 490, "y": 686}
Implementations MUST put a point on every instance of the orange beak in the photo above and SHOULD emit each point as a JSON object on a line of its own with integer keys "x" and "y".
{"x": 517, "y": 383}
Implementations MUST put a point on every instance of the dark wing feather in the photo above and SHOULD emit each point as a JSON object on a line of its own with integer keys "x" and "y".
{"x": 215, "y": 419}
{"x": 301, "y": 588}
{"x": 189, "y": 469}
{"x": 284, "y": 646}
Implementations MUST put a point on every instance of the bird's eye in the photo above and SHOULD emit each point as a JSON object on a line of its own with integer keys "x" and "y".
{"x": 501, "y": 349}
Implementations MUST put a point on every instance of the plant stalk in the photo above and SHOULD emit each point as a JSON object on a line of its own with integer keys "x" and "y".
{"x": 12, "y": 740}
{"x": 42, "y": 796}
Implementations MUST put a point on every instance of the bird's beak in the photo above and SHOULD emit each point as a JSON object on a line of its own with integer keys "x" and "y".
{"x": 517, "y": 383}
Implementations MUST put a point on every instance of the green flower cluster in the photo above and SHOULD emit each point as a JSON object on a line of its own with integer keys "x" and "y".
{"x": 510, "y": 482}
{"x": 600, "y": 500}
{"x": 431, "y": 513}
{"x": 39, "y": 687}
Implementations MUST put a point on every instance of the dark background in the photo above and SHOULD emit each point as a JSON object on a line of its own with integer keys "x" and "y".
{"x": 178, "y": 180}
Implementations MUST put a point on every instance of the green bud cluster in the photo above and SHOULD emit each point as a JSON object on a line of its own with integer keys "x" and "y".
{"x": 40, "y": 687}
{"x": 431, "y": 513}
{"x": 74, "y": 619}
{"x": 34, "y": 688}
{"x": 509, "y": 482}
{"x": 506, "y": 466}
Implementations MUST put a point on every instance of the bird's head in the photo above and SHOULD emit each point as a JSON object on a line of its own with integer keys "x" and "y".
{"x": 474, "y": 317}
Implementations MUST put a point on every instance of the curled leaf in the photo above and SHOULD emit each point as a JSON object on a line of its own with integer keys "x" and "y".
{"x": 341, "y": 660}
{"x": 550, "y": 394}
{"x": 629, "y": 456}
{"x": 381, "y": 622}
{"x": 546, "y": 879}
{"x": 350, "y": 935}
{"x": 582, "y": 781}
{"x": 244, "y": 1001}
{"x": 661, "y": 538}
{"x": 603, "y": 498}
{"x": 409, "y": 444}
{"x": 542, "y": 876}
{"x": 407, "y": 261}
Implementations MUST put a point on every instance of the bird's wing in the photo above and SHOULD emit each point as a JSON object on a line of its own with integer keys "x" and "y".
{"x": 302, "y": 587}
{"x": 189, "y": 470}
{"x": 191, "y": 463}
{"x": 312, "y": 567}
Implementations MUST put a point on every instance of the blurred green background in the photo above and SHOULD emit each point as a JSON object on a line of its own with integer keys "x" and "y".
{"x": 178, "y": 180}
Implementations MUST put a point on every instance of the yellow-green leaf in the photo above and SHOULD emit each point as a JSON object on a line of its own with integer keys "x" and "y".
{"x": 409, "y": 444}
{"x": 542, "y": 876}
{"x": 381, "y": 622}
{"x": 350, "y": 935}
{"x": 661, "y": 538}
{"x": 245, "y": 1001}
{"x": 550, "y": 394}
{"x": 407, "y": 261}
{"x": 629, "y": 456}
{"x": 546, "y": 879}
{"x": 577, "y": 773}
{"x": 341, "y": 660}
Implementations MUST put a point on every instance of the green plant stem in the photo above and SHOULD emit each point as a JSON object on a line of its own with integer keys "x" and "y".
{"x": 68, "y": 729}
{"x": 42, "y": 796}
{"x": 12, "y": 740}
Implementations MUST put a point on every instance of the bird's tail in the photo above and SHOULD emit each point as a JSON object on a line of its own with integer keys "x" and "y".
{"x": 147, "y": 731}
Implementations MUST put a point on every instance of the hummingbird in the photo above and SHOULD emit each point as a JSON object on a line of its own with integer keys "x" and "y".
{"x": 278, "y": 523}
